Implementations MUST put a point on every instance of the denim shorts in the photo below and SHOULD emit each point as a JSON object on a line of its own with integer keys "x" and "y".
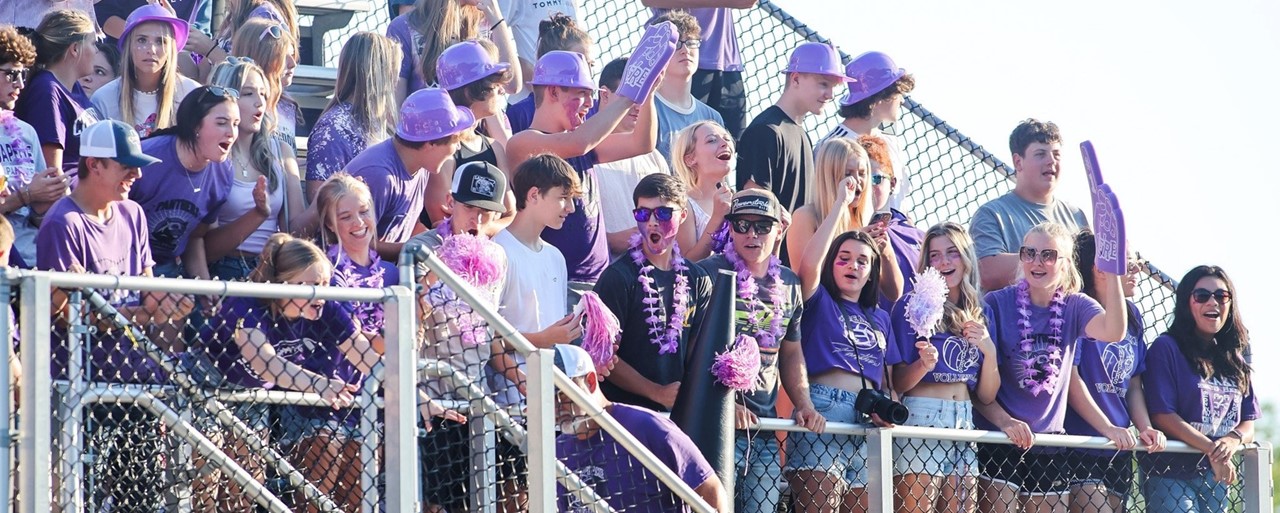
{"x": 296, "y": 427}
{"x": 1039, "y": 471}
{"x": 233, "y": 267}
{"x": 838, "y": 455}
{"x": 936, "y": 457}
{"x": 205, "y": 374}
{"x": 1200, "y": 494}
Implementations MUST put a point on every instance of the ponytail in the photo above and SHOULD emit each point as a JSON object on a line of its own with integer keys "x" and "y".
{"x": 560, "y": 32}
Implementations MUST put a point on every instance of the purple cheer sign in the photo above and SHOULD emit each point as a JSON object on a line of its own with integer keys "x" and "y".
{"x": 657, "y": 47}
{"x": 1111, "y": 249}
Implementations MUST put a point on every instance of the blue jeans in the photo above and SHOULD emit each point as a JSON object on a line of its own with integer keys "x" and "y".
{"x": 1200, "y": 494}
{"x": 233, "y": 267}
{"x": 759, "y": 473}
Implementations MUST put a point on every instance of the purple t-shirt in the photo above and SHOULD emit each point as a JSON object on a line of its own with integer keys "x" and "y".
{"x": 1106, "y": 370}
{"x": 1212, "y": 406}
{"x": 411, "y": 43}
{"x": 58, "y": 114}
{"x": 830, "y": 328}
{"x": 719, "y": 38}
{"x": 397, "y": 195}
{"x": 336, "y": 138}
{"x": 178, "y": 200}
{"x": 958, "y": 360}
{"x": 69, "y": 237}
{"x": 618, "y": 477}
{"x": 907, "y": 241}
{"x": 582, "y": 238}
{"x": 378, "y": 274}
{"x": 1044, "y": 412}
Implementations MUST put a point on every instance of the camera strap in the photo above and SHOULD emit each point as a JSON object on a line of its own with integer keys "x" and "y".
{"x": 844, "y": 328}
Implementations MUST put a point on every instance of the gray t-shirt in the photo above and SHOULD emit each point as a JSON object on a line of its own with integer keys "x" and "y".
{"x": 999, "y": 225}
{"x": 672, "y": 119}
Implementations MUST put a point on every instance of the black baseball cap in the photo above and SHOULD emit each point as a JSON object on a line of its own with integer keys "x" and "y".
{"x": 755, "y": 201}
{"x": 480, "y": 184}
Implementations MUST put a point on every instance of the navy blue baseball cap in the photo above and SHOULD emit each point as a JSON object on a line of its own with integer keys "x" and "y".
{"x": 111, "y": 139}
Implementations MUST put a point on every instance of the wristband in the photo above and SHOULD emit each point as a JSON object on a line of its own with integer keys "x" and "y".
{"x": 212, "y": 48}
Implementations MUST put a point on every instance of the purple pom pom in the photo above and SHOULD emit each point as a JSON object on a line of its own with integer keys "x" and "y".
{"x": 601, "y": 332}
{"x": 738, "y": 368}
{"x": 479, "y": 261}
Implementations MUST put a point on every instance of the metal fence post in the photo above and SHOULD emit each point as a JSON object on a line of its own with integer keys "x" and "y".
{"x": 35, "y": 428}
{"x": 541, "y": 442}
{"x": 6, "y": 403}
{"x": 880, "y": 470}
{"x": 400, "y": 394}
{"x": 1258, "y": 488}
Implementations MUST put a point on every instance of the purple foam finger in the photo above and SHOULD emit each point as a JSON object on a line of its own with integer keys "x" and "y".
{"x": 1111, "y": 244}
{"x": 1091, "y": 167}
{"x": 657, "y": 46}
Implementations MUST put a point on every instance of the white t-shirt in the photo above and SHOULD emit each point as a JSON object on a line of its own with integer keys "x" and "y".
{"x": 617, "y": 180}
{"x": 896, "y": 156}
{"x": 534, "y": 296}
{"x": 523, "y": 16}
{"x": 106, "y": 101}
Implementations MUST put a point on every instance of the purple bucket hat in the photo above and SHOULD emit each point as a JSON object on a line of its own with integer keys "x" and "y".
{"x": 872, "y": 72}
{"x": 429, "y": 114}
{"x": 156, "y": 12}
{"x": 564, "y": 69}
{"x": 464, "y": 63}
{"x": 817, "y": 58}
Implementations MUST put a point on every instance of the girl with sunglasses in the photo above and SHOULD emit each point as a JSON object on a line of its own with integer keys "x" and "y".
{"x": 844, "y": 336}
{"x": 1035, "y": 325}
{"x": 700, "y": 156}
{"x": 182, "y": 193}
{"x": 53, "y": 101}
{"x": 147, "y": 94}
{"x": 265, "y": 187}
{"x": 940, "y": 378}
{"x": 1201, "y": 393}
{"x": 362, "y": 112}
{"x": 892, "y": 229}
{"x": 273, "y": 48}
{"x": 21, "y": 159}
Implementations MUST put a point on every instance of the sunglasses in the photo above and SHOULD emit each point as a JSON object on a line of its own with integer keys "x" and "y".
{"x": 692, "y": 44}
{"x": 225, "y": 92}
{"x": 276, "y": 32}
{"x": 16, "y": 76}
{"x": 1136, "y": 266}
{"x": 1047, "y": 256}
{"x": 1202, "y": 296}
{"x": 642, "y": 214}
{"x": 761, "y": 226}
{"x": 878, "y": 179}
{"x": 239, "y": 60}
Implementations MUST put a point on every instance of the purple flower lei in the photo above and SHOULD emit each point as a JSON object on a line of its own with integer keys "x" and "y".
{"x": 668, "y": 340}
{"x": 13, "y": 131}
{"x": 749, "y": 293}
{"x": 1039, "y": 374}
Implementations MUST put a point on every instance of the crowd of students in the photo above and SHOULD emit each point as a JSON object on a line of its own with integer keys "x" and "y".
{"x": 186, "y": 165}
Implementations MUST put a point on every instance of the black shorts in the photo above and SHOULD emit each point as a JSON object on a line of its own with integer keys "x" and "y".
{"x": 724, "y": 92}
{"x": 1116, "y": 473}
{"x": 444, "y": 455}
{"x": 1035, "y": 472}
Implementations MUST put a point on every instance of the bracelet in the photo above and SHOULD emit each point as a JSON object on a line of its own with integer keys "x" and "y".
{"x": 1236, "y": 433}
{"x": 24, "y": 194}
{"x": 495, "y": 25}
{"x": 212, "y": 48}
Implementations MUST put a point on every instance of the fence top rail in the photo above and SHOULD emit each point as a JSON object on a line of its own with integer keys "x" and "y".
{"x": 202, "y": 287}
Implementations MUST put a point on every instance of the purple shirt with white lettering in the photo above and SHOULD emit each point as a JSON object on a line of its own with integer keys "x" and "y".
{"x": 831, "y": 327}
{"x": 618, "y": 477}
{"x": 118, "y": 247}
{"x": 1106, "y": 370}
{"x": 178, "y": 200}
{"x": 397, "y": 195}
{"x": 1213, "y": 406}
{"x": 58, "y": 114}
{"x": 1043, "y": 412}
{"x": 336, "y": 138}
{"x": 958, "y": 360}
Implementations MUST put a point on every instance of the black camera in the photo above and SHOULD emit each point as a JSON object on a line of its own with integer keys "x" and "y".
{"x": 874, "y": 401}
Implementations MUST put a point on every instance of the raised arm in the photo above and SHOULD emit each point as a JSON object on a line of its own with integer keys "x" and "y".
{"x": 643, "y": 139}
{"x": 810, "y": 268}
{"x": 1113, "y": 322}
{"x": 568, "y": 144}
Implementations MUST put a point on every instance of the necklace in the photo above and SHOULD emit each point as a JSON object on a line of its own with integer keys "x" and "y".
{"x": 244, "y": 165}
{"x": 749, "y": 293}
{"x": 667, "y": 340}
{"x": 1039, "y": 373}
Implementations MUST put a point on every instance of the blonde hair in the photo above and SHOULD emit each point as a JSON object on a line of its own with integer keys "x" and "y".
{"x": 362, "y": 83}
{"x": 829, "y": 170}
{"x": 238, "y": 14}
{"x": 269, "y": 53}
{"x": 337, "y": 187}
{"x": 1069, "y": 279}
{"x": 442, "y": 23}
{"x": 169, "y": 79}
{"x": 284, "y": 257}
{"x": 58, "y": 31}
{"x": 231, "y": 73}
{"x": 969, "y": 305}
{"x": 682, "y": 146}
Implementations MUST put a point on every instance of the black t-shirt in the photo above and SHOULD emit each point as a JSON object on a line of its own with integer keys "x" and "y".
{"x": 764, "y": 400}
{"x": 621, "y": 292}
{"x": 775, "y": 153}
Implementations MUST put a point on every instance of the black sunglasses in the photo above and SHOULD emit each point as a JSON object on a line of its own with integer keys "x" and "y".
{"x": 642, "y": 214}
{"x": 225, "y": 92}
{"x": 1202, "y": 296}
{"x": 16, "y": 75}
{"x": 1047, "y": 256}
{"x": 761, "y": 226}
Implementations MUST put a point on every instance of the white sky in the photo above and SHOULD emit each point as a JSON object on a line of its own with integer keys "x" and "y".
{"x": 1181, "y": 100}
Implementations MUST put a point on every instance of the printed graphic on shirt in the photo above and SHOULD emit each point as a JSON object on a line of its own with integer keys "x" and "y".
{"x": 591, "y": 476}
{"x": 1219, "y": 407}
{"x": 869, "y": 341}
{"x": 1042, "y": 364}
{"x": 1118, "y": 362}
{"x": 959, "y": 355}
{"x": 296, "y": 350}
{"x": 168, "y": 224}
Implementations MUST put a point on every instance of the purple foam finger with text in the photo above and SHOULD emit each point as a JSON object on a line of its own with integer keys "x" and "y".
{"x": 1111, "y": 245}
{"x": 657, "y": 46}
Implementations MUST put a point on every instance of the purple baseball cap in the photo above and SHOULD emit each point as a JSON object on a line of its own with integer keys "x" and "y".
{"x": 564, "y": 69}
{"x": 156, "y": 12}
{"x": 464, "y": 63}
{"x": 817, "y": 58}
{"x": 429, "y": 114}
{"x": 871, "y": 73}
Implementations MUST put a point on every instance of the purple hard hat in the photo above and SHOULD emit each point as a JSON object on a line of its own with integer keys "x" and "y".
{"x": 156, "y": 12}
{"x": 818, "y": 58}
{"x": 564, "y": 69}
{"x": 871, "y": 72}
{"x": 429, "y": 114}
{"x": 464, "y": 63}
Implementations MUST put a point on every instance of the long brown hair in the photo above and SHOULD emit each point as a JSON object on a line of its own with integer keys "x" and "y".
{"x": 362, "y": 83}
{"x": 441, "y": 23}
{"x": 238, "y": 13}
{"x": 1224, "y": 355}
{"x": 968, "y": 306}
